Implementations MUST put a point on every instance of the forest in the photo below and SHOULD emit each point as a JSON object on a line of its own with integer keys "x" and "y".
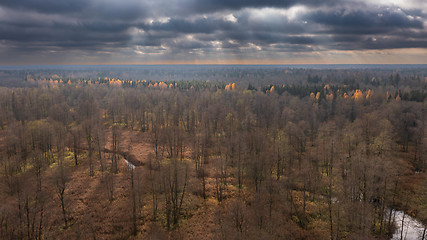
{"x": 213, "y": 152}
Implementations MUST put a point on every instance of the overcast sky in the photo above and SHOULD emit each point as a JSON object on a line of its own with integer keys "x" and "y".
{"x": 35, "y": 32}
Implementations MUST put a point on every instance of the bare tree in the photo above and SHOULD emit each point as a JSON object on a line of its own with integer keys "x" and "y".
{"x": 115, "y": 149}
{"x": 61, "y": 186}
{"x": 174, "y": 186}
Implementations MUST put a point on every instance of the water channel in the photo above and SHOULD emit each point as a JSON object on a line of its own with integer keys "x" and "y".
{"x": 129, "y": 164}
{"x": 412, "y": 228}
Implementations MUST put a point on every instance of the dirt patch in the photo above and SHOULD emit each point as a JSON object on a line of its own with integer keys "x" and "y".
{"x": 134, "y": 146}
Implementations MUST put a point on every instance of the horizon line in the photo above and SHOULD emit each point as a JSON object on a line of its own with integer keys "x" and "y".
{"x": 207, "y": 64}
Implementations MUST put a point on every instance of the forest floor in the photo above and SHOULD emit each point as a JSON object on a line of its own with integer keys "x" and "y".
{"x": 93, "y": 215}
{"x": 88, "y": 200}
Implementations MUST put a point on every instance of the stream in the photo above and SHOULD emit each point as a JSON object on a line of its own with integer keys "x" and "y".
{"x": 130, "y": 165}
{"x": 412, "y": 228}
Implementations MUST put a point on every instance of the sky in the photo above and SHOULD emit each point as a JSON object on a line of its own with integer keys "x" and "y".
{"x": 39, "y": 32}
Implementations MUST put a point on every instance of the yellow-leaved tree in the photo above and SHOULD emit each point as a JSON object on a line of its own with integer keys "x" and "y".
{"x": 272, "y": 89}
{"x": 317, "y": 96}
{"x": 358, "y": 95}
{"x": 228, "y": 87}
{"x": 369, "y": 94}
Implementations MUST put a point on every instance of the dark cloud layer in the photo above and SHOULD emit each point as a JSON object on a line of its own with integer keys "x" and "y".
{"x": 188, "y": 29}
{"x": 218, "y": 5}
{"x": 365, "y": 21}
{"x": 47, "y": 6}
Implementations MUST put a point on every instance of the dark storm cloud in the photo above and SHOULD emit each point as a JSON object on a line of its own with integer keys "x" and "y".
{"x": 201, "y": 25}
{"x": 242, "y": 26}
{"x": 361, "y": 21}
{"x": 183, "y": 27}
{"x": 219, "y": 5}
{"x": 133, "y": 8}
{"x": 380, "y": 43}
{"x": 65, "y": 35}
{"x": 359, "y": 29}
{"x": 107, "y": 27}
{"x": 47, "y": 6}
{"x": 126, "y": 10}
{"x": 81, "y": 9}
{"x": 243, "y": 30}
{"x": 185, "y": 44}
